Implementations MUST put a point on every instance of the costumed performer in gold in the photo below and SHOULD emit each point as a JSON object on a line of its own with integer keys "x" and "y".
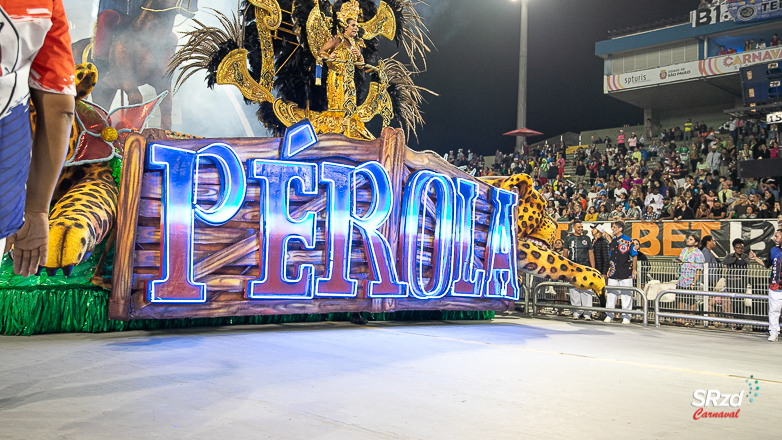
{"x": 341, "y": 53}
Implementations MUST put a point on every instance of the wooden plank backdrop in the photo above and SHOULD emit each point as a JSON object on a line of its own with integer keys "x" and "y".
{"x": 226, "y": 257}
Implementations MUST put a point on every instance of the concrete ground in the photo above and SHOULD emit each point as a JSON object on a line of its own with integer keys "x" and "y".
{"x": 510, "y": 378}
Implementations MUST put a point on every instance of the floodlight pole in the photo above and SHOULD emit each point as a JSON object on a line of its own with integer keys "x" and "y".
{"x": 521, "y": 117}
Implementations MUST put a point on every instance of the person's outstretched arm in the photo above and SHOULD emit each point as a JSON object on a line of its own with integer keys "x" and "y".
{"x": 54, "y": 116}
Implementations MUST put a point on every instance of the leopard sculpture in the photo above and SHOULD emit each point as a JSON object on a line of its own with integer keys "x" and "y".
{"x": 536, "y": 231}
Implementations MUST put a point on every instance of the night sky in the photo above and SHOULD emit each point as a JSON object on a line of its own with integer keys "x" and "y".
{"x": 475, "y": 68}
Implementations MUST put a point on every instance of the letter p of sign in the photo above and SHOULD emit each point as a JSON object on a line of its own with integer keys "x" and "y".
{"x": 180, "y": 208}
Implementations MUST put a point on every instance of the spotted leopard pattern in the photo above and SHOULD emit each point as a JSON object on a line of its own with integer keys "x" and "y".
{"x": 533, "y": 224}
{"x": 82, "y": 217}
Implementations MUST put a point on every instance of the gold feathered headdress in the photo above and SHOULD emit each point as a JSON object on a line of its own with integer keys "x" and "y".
{"x": 349, "y": 10}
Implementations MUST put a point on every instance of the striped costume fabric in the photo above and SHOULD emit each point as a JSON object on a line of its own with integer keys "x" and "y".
{"x": 15, "y": 143}
{"x": 35, "y": 52}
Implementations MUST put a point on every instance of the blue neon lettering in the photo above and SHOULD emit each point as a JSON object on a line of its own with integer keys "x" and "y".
{"x": 500, "y": 255}
{"x": 384, "y": 281}
{"x": 413, "y": 233}
{"x": 233, "y": 187}
{"x": 468, "y": 280}
{"x": 454, "y": 265}
{"x": 176, "y": 284}
{"x": 298, "y": 138}
{"x": 276, "y": 179}
{"x": 336, "y": 281}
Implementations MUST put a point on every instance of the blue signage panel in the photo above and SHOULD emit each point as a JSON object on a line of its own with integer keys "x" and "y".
{"x": 752, "y": 10}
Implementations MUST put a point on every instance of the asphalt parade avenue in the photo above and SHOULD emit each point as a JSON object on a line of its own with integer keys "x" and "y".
{"x": 513, "y": 377}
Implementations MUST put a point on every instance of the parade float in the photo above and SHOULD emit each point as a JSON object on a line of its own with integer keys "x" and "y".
{"x": 155, "y": 229}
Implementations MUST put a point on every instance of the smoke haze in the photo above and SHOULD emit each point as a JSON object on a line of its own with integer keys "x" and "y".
{"x": 197, "y": 110}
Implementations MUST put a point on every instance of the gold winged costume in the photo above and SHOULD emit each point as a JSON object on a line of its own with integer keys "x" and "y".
{"x": 272, "y": 54}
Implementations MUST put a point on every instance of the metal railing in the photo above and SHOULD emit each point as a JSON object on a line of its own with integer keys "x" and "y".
{"x": 735, "y": 286}
{"x": 525, "y": 289}
{"x": 658, "y": 314}
{"x": 722, "y": 294}
{"x": 644, "y": 305}
{"x": 754, "y": 277}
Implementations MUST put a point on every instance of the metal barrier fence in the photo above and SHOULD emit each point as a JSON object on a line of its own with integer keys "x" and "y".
{"x": 541, "y": 285}
{"x": 742, "y": 293}
{"x": 729, "y": 295}
{"x": 525, "y": 290}
{"x": 658, "y": 314}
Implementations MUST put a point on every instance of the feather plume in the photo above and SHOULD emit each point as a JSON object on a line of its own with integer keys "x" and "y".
{"x": 205, "y": 48}
{"x": 406, "y": 97}
{"x": 411, "y": 32}
{"x": 265, "y": 114}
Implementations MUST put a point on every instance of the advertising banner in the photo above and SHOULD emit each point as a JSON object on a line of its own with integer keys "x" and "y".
{"x": 719, "y": 65}
{"x": 753, "y": 10}
{"x": 737, "y": 11}
{"x": 666, "y": 239}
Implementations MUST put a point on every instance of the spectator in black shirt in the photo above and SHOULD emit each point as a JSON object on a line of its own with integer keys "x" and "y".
{"x": 565, "y": 188}
{"x": 764, "y": 211}
{"x": 579, "y": 249}
{"x": 645, "y": 265}
{"x": 709, "y": 185}
{"x": 516, "y": 169}
{"x": 657, "y": 174}
{"x": 718, "y": 212}
{"x": 769, "y": 198}
{"x": 683, "y": 212}
{"x": 736, "y": 265}
{"x": 580, "y": 172}
{"x": 577, "y": 213}
{"x": 602, "y": 170}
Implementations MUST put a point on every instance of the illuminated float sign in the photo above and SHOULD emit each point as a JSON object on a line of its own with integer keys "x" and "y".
{"x": 392, "y": 274}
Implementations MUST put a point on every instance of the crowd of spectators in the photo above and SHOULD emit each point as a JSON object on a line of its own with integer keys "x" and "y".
{"x": 682, "y": 174}
{"x": 751, "y": 44}
{"x": 468, "y": 162}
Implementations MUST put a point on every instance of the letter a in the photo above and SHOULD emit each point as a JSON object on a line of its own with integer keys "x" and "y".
{"x": 500, "y": 254}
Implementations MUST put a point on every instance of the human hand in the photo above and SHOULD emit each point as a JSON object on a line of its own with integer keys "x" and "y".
{"x": 752, "y": 255}
{"x": 31, "y": 243}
